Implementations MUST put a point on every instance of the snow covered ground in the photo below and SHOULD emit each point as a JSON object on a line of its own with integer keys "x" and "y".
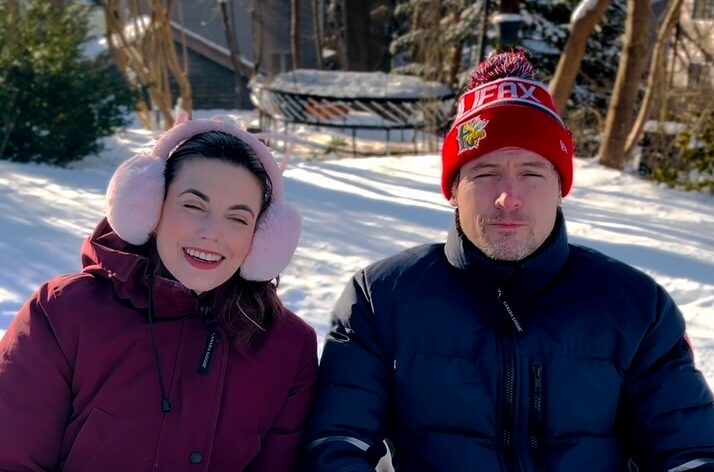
{"x": 359, "y": 210}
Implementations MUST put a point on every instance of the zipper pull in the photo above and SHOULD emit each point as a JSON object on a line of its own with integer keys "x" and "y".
{"x": 536, "y": 418}
{"x": 538, "y": 377}
{"x": 508, "y": 311}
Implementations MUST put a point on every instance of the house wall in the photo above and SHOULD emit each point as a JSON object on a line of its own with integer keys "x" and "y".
{"x": 276, "y": 50}
{"x": 204, "y": 17}
{"x": 697, "y": 67}
{"x": 248, "y": 17}
{"x": 212, "y": 84}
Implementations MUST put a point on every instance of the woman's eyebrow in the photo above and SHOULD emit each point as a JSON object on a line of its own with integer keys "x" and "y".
{"x": 198, "y": 193}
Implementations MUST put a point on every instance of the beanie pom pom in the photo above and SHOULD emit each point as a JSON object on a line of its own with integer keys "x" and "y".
{"x": 500, "y": 66}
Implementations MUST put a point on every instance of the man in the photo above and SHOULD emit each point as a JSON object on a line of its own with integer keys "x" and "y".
{"x": 507, "y": 349}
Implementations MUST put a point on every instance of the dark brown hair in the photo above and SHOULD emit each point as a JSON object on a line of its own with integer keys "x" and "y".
{"x": 250, "y": 307}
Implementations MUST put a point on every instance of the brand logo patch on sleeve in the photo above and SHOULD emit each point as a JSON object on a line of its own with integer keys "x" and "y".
{"x": 469, "y": 134}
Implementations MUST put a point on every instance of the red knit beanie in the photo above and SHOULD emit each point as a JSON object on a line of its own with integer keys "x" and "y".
{"x": 503, "y": 106}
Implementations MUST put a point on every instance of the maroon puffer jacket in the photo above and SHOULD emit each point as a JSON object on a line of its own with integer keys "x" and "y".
{"x": 79, "y": 383}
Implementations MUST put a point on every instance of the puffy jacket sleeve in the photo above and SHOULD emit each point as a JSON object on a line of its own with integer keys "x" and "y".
{"x": 347, "y": 424}
{"x": 35, "y": 393}
{"x": 668, "y": 398}
{"x": 281, "y": 446}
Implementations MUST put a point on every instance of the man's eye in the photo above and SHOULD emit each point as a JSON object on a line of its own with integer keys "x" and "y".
{"x": 192, "y": 207}
{"x": 533, "y": 174}
{"x": 239, "y": 220}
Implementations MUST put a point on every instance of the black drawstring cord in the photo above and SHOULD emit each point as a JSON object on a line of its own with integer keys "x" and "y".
{"x": 165, "y": 405}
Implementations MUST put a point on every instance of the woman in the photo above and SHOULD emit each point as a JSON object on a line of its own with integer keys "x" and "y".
{"x": 170, "y": 350}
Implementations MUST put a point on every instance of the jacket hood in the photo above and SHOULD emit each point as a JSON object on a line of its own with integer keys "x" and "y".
{"x": 133, "y": 271}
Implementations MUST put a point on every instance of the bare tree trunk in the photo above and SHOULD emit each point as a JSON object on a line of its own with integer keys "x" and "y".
{"x": 295, "y": 32}
{"x": 561, "y": 86}
{"x": 235, "y": 59}
{"x": 655, "y": 73}
{"x": 363, "y": 45}
{"x": 8, "y": 127}
{"x": 125, "y": 57}
{"x": 508, "y": 30}
{"x": 340, "y": 28}
{"x": 455, "y": 59}
{"x": 698, "y": 42}
{"x": 430, "y": 52}
{"x": 356, "y": 21}
{"x": 184, "y": 48}
{"x": 180, "y": 74}
{"x": 317, "y": 33}
{"x": 149, "y": 59}
{"x": 484, "y": 30}
{"x": 258, "y": 33}
{"x": 454, "y": 66}
{"x": 624, "y": 97}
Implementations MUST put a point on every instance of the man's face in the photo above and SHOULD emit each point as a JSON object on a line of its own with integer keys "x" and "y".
{"x": 507, "y": 201}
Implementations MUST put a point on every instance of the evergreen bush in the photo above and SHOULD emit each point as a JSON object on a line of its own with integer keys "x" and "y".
{"x": 54, "y": 103}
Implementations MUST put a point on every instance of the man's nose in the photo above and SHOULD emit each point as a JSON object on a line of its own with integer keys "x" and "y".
{"x": 508, "y": 199}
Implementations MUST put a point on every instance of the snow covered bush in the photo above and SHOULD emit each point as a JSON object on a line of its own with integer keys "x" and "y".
{"x": 691, "y": 166}
{"x": 54, "y": 103}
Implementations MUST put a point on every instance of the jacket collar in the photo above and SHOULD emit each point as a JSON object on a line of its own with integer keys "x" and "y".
{"x": 522, "y": 278}
{"x": 133, "y": 270}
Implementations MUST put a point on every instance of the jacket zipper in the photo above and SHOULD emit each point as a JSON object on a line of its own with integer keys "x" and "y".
{"x": 509, "y": 404}
{"x": 508, "y": 311}
{"x": 211, "y": 339}
{"x": 536, "y": 417}
{"x": 509, "y": 369}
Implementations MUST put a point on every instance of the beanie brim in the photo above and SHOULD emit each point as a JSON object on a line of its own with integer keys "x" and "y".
{"x": 509, "y": 125}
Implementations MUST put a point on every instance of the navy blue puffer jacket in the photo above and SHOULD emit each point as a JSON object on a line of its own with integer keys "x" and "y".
{"x": 568, "y": 361}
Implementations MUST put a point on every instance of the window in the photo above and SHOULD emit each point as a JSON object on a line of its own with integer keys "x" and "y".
{"x": 703, "y": 10}
{"x": 697, "y": 74}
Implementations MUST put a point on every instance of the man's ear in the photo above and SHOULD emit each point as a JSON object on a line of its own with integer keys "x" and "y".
{"x": 454, "y": 185}
{"x": 560, "y": 189}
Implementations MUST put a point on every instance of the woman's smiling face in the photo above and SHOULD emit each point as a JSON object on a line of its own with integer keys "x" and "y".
{"x": 207, "y": 222}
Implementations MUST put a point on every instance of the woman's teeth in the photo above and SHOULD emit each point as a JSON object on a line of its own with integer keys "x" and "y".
{"x": 203, "y": 256}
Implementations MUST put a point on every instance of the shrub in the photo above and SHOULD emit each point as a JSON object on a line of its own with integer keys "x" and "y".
{"x": 54, "y": 103}
{"x": 691, "y": 164}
